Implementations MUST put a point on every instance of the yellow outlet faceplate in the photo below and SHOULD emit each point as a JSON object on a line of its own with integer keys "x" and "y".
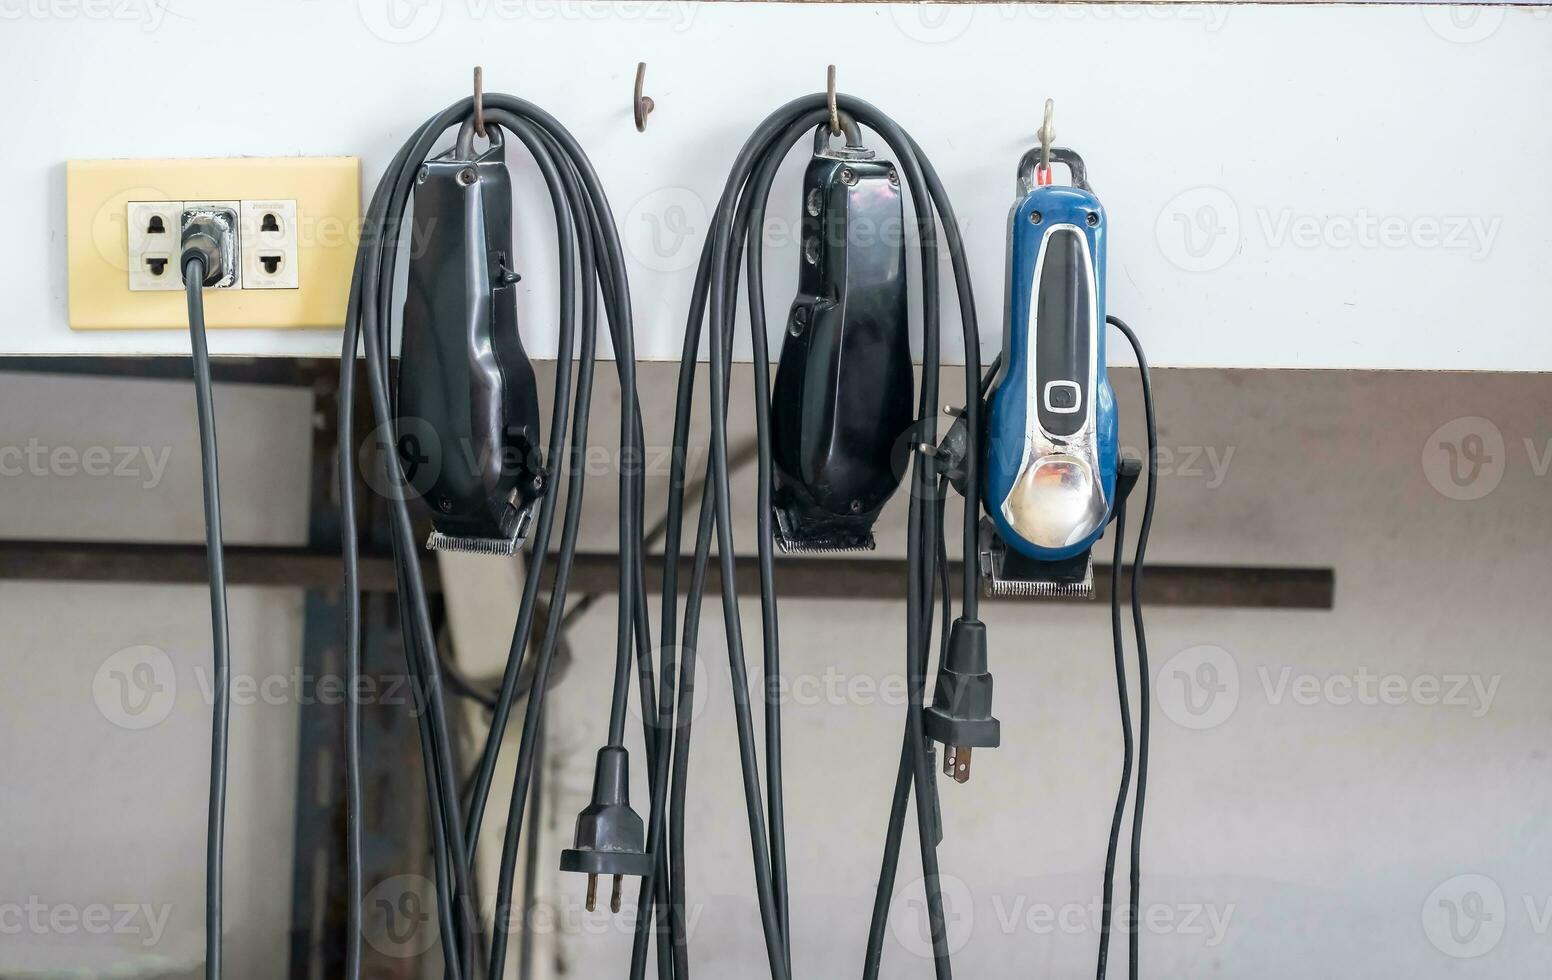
{"x": 327, "y": 192}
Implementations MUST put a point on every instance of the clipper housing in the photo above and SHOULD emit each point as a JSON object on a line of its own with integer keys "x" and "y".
{"x": 1051, "y": 447}
{"x": 844, "y": 385}
{"x": 467, "y": 417}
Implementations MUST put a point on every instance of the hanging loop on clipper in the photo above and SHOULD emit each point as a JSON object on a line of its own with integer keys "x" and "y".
{"x": 466, "y": 134}
{"x": 1047, "y": 137}
{"x": 847, "y": 127}
{"x": 479, "y": 101}
{"x": 1030, "y": 167}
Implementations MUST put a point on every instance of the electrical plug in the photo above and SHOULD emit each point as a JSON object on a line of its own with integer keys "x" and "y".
{"x": 610, "y": 839}
{"x": 209, "y": 234}
{"x": 961, "y": 712}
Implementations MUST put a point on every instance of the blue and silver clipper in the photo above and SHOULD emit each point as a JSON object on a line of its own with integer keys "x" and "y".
{"x": 1050, "y": 438}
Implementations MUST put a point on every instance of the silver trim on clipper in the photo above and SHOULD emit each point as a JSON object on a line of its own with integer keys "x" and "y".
{"x": 1057, "y": 498}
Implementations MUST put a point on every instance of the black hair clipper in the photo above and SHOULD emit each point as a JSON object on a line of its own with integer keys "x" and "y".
{"x": 468, "y": 408}
{"x": 844, "y": 385}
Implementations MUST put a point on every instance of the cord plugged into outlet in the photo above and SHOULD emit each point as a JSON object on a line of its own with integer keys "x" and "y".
{"x": 264, "y": 253}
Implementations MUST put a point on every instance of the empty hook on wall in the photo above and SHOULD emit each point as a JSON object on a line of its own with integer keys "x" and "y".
{"x": 642, "y": 105}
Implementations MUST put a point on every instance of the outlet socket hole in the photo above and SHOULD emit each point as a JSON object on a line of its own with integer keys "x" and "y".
{"x": 156, "y": 265}
{"x": 269, "y": 222}
{"x": 271, "y": 263}
{"x": 156, "y": 227}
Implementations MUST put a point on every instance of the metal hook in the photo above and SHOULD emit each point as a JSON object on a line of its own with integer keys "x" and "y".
{"x": 1047, "y": 137}
{"x": 479, "y": 101}
{"x": 642, "y": 104}
{"x": 835, "y": 113}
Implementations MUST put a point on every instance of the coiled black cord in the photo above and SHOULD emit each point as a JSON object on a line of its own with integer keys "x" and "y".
{"x": 591, "y": 267}
{"x": 739, "y": 216}
{"x": 215, "y": 825}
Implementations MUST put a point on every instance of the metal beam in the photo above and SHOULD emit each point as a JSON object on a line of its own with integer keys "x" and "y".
{"x": 1223, "y": 586}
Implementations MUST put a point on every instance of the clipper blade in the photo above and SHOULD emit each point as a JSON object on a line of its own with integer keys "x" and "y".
{"x": 1007, "y": 574}
{"x": 1015, "y": 588}
{"x": 831, "y": 534}
{"x": 516, "y": 526}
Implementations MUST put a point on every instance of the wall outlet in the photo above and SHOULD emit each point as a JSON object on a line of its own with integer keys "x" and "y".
{"x": 268, "y": 245}
{"x": 298, "y": 222}
{"x": 153, "y": 245}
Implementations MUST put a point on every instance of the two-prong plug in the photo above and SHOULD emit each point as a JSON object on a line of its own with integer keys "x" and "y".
{"x": 961, "y": 712}
{"x": 611, "y": 839}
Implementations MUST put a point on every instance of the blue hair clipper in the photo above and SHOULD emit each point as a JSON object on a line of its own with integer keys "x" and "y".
{"x": 1050, "y": 440}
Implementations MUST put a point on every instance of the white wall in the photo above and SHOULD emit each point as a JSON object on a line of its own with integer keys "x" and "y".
{"x": 1305, "y": 185}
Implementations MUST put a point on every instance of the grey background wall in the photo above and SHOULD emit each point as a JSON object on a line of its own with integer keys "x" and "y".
{"x": 1323, "y": 804}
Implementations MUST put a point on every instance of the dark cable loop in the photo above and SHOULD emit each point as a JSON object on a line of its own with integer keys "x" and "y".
{"x": 585, "y": 223}
{"x": 738, "y": 218}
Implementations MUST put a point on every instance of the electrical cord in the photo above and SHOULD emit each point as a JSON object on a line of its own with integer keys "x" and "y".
{"x": 215, "y": 830}
{"x": 739, "y": 217}
{"x": 591, "y": 267}
{"x": 1140, "y": 633}
{"x": 1126, "y": 742}
{"x": 1143, "y": 697}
